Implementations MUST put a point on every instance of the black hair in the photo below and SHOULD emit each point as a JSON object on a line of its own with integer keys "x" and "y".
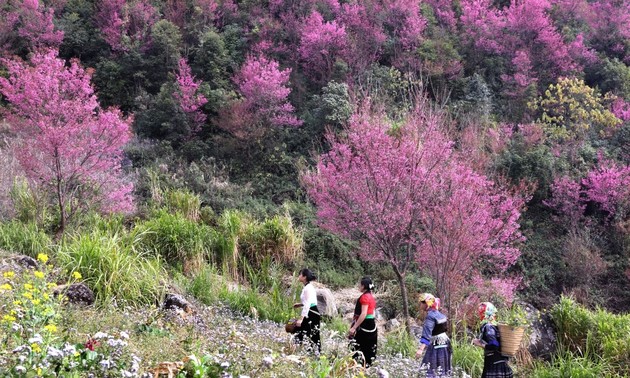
{"x": 367, "y": 284}
{"x": 310, "y": 276}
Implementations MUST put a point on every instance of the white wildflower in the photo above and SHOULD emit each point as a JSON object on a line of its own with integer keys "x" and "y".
{"x": 37, "y": 339}
{"x": 100, "y": 335}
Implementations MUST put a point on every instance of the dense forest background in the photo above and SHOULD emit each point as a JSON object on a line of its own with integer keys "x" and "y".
{"x": 232, "y": 101}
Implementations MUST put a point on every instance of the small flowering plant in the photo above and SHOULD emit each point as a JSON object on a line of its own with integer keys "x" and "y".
{"x": 29, "y": 315}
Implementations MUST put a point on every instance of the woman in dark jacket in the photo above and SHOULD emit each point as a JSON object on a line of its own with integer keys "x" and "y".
{"x": 363, "y": 329}
{"x": 495, "y": 365}
{"x": 434, "y": 340}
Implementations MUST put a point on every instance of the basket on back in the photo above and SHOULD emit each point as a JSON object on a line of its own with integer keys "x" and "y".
{"x": 511, "y": 338}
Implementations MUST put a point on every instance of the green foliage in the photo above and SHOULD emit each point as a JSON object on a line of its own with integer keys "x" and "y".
{"x": 324, "y": 367}
{"x": 400, "y": 342}
{"x": 514, "y": 316}
{"x": 272, "y": 304}
{"x": 597, "y": 335}
{"x": 113, "y": 266}
{"x": 166, "y": 41}
{"x": 176, "y": 239}
{"x": 335, "y": 103}
{"x": 570, "y": 108}
{"x": 466, "y": 356}
{"x": 569, "y": 365}
{"x": 25, "y": 238}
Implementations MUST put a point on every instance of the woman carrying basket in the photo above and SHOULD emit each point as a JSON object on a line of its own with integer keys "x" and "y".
{"x": 309, "y": 320}
{"x": 495, "y": 365}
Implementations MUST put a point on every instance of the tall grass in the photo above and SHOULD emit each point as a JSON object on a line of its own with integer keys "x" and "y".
{"x": 178, "y": 240}
{"x": 25, "y": 238}
{"x": 113, "y": 268}
{"x": 466, "y": 356}
{"x": 272, "y": 304}
{"x": 595, "y": 340}
{"x": 400, "y": 342}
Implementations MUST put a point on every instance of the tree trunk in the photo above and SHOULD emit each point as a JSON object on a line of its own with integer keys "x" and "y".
{"x": 403, "y": 291}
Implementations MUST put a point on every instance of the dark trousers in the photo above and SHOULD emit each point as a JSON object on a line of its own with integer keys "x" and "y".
{"x": 365, "y": 342}
{"x": 310, "y": 329}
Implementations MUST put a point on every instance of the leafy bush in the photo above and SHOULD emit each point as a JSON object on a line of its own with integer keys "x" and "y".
{"x": 400, "y": 342}
{"x": 24, "y": 238}
{"x": 114, "y": 268}
{"x": 598, "y": 335}
{"x": 175, "y": 238}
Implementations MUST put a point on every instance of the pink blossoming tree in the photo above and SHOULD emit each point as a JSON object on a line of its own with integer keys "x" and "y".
{"x": 386, "y": 188}
{"x": 69, "y": 145}
{"x": 188, "y": 96}
{"x": 265, "y": 91}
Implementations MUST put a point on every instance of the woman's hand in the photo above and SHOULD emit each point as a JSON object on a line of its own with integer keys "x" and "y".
{"x": 352, "y": 332}
{"x": 298, "y": 323}
{"x": 477, "y": 342}
{"x": 420, "y": 351}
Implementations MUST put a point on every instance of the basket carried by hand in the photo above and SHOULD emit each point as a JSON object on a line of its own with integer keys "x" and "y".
{"x": 511, "y": 338}
{"x": 291, "y": 327}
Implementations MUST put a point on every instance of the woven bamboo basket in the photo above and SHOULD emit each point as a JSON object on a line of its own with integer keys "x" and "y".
{"x": 511, "y": 338}
{"x": 290, "y": 326}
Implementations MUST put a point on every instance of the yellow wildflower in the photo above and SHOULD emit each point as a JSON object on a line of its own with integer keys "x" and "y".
{"x": 35, "y": 347}
{"x": 39, "y": 371}
{"x": 5, "y": 286}
{"x": 51, "y": 285}
{"x": 36, "y": 301}
{"x": 77, "y": 275}
{"x": 17, "y": 303}
{"x": 9, "y": 274}
{"x": 27, "y": 295}
{"x": 46, "y": 296}
{"x": 51, "y": 328}
{"x": 42, "y": 257}
{"x": 38, "y": 274}
{"x": 28, "y": 286}
{"x": 8, "y": 319}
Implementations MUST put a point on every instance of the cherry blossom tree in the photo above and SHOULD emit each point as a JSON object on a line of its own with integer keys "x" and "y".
{"x": 69, "y": 145}
{"x": 188, "y": 96}
{"x": 27, "y": 21}
{"x": 265, "y": 91}
{"x": 126, "y": 25}
{"x": 321, "y": 44}
{"x": 406, "y": 197}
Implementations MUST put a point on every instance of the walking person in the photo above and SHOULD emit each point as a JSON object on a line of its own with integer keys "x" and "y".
{"x": 495, "y": 365}
{"x": 308, "y": 324}
{"x": 363, "y": 332}
{"x": 434, "y": 343}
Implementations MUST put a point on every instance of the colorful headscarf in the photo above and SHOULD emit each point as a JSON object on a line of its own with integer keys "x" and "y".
{"x": 487, "y": 313}
{"x": 432, "y": 302}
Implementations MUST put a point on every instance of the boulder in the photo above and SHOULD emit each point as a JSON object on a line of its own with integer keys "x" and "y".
{"x": 27, "y": 262}
{"x": 326, "y": 302}
{"x": 76, "y": 293}
{"x": 176, "y": 302}
{"x": 392, "y": 324}
{"x": 542, "y": 335}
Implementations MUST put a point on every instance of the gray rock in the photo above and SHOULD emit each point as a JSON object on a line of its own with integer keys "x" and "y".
{"x": 176, "y": 301}
{"x": 76, "y": 293}
{"x": 392, "y": 324}
{"x": 326, "y": 302}
{"x": 27, "y": 262}
{"x": 542, "y": 335}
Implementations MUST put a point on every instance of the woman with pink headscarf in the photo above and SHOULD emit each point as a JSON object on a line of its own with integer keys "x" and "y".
{"x": 434, "y": 341}
{"x": 495, "y": 365}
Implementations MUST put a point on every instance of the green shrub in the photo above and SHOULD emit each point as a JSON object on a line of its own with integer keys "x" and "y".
{"x": 113, "y": 268}
{"x": 24, "y": 238}
{"x": 176, "y": 239}
{"x": 569, "y": 365}
{"x": 272, "y": 304}
{"x": 599, "y": 336}
{"x": 467, "y": 356}
{"x": 400, "y": 341}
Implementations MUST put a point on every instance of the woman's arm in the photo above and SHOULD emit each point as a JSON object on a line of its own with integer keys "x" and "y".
{"x": 360, "y": 319}
{"x": 427, "y": 330}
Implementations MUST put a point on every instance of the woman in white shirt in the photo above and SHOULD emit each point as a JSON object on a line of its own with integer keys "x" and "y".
{"x": 308, "y": 322}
